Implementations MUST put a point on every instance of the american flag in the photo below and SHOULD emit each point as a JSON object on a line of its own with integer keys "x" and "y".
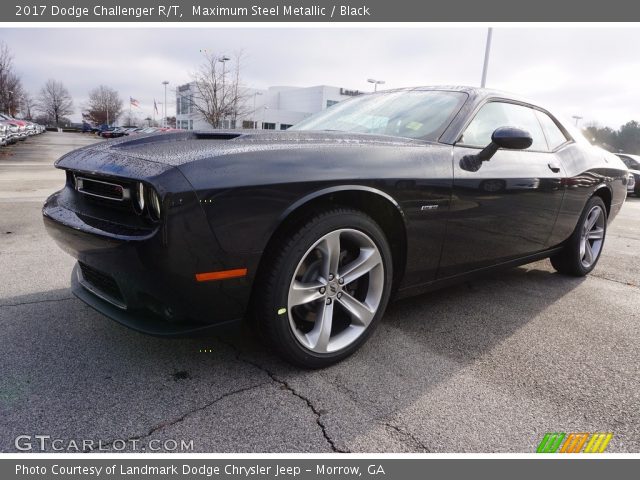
{"x": 155, "y": 106}
{"x": 134, "y": 102}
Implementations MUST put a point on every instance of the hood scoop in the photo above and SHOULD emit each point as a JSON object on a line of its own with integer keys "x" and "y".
{"x": 217, "y": 135}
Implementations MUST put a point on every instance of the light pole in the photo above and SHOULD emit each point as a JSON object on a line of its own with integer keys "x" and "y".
{"x": 10, "y": 92}
{"x": 224, "y": 59}
{"x": 164, "y": 108}
{"x": 375, "y": 83}
{"x": 487, "y": 51}
{"x": 576, "y": 118}
{"x": 255, "y": 122}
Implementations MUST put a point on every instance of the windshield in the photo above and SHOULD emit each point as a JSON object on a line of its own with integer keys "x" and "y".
{"x": 422, "y": 114}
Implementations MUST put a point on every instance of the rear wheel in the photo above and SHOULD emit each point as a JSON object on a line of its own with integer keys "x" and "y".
{"x": 581, "y": 252}
{"x": 326, "y": 288}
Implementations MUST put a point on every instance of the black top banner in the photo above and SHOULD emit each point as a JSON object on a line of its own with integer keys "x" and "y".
{"x": 309, "y": 11}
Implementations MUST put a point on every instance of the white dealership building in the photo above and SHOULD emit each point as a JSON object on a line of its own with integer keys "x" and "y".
{"x": 276, "y": 108}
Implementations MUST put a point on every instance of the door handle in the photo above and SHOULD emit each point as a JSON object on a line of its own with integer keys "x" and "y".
{"x": 554, "y": 167}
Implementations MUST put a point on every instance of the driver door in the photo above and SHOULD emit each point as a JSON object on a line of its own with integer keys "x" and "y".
{"x": 507, "y": 209}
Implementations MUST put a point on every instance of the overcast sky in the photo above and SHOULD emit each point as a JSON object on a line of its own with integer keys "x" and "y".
{"x": 590, "y": 72}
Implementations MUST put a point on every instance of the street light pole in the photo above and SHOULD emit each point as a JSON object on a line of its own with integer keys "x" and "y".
{"x": 224, "y": 59}
{"x": 487, "y": 51}
{"x": 164, "y": 108}
{"x": 576, "y": 118}
{"x": 375, "y": 83}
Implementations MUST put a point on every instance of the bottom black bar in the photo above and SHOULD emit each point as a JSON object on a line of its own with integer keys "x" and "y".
{"x": 314, "y": 469}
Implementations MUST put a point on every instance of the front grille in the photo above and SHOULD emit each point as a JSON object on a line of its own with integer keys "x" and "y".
{"x": 101, "y": 189}
{"x": 102, "y": 282}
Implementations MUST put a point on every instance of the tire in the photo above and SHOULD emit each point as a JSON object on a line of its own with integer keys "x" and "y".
{"x": 582, "y": 250}
{"x": 301, "y": 290}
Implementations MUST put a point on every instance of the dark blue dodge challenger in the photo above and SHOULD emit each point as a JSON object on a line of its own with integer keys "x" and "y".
{"x": 309, "y": 232}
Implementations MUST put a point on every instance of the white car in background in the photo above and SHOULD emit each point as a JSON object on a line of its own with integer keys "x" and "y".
{"x": 633, "y": 164}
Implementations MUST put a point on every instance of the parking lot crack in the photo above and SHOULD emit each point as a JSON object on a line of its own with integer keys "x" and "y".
{"x": 35, "y": 302}
{"x": 182, "y": 417}
{"x": 317, "y": 412}
{"x": 609, "y": 279}
{"x": 416, "y": 443}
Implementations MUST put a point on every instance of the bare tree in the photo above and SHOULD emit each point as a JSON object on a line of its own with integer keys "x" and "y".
{"x": 55, "y": 101}
{"x": 218, "y": 93}
{"x": 10, "y": 86}
{"x": 105, "y": 105}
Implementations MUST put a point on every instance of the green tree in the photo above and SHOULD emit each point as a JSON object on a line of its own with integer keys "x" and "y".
{"x": 628, "y": 137}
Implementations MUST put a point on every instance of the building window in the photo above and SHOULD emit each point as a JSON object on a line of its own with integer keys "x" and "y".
{"x": 248, "y": 124}
{"x": 190, "y": 124}
{"x": 268, "y": 126}
{"x": 331, "y": 103}
{"x": 284, "y": 126}
{"x": 183, "y": 104}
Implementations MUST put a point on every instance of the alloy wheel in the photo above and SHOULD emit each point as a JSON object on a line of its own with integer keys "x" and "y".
{"x": 335, "y": 291}
{"x": 592, "y": 236}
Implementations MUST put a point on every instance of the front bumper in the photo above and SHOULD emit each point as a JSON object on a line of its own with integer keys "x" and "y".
{"x": 146, "y": 279}
{"x": 140, "y": 320}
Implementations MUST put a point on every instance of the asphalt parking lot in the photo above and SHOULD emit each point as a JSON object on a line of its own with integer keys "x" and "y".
{"x": 486, "y": 366}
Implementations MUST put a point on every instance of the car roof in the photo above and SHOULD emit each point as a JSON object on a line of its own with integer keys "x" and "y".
{"x": 475, "y": 92}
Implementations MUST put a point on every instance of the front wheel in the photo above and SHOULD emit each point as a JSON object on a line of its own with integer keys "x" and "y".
{"x": 581, "y": 252}
{"x": 326, "y": 288}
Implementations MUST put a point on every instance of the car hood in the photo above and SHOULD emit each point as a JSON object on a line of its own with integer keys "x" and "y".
{"x": 179, "y": 148}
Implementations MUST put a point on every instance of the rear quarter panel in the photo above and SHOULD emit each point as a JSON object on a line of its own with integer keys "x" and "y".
{"x": 587, "y": 169}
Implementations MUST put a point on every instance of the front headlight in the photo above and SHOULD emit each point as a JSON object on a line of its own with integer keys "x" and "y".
{"x": 154, "y": 200}
{"x": 140, "y": 196}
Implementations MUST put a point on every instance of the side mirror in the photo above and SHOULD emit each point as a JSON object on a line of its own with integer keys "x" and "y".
{"x": 510, "y": 138}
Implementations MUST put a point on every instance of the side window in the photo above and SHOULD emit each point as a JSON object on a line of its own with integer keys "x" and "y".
{"x": 554, "y": 135}
{"x": 498, "y": 114}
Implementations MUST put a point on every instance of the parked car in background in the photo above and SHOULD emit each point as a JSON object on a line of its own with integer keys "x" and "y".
{"x": 98, "y": 129}
{"x": 633, "y": 164}
{"x": 31, "y": 128}
{"x": 4, "y": 134}
{"x": 12, "y": 131}
{"x": 307, "y": 232}
{"x": 113, "y": 132}
{"x": 15, "y": 129}
{"x": 21, "y": 124}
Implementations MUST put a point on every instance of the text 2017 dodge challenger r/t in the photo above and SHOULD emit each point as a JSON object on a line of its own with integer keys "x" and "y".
{"x": 310, "y": 231}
